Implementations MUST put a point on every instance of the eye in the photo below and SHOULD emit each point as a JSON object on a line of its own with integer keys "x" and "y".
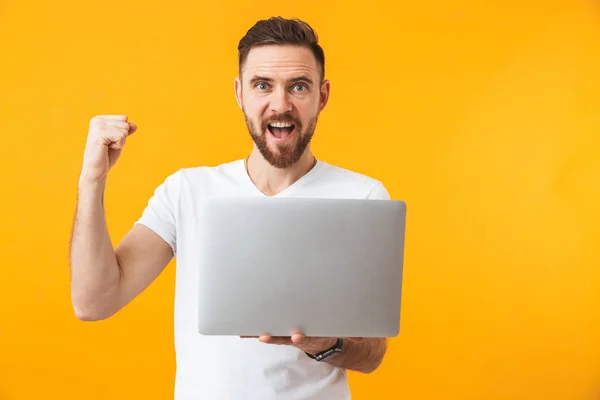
{"x": 301, "y": 87}
{"x": 261, "y": 86}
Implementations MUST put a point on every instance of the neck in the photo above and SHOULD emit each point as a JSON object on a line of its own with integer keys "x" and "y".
{"x": 270, "y": 180}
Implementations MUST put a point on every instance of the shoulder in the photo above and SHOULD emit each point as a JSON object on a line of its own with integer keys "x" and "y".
{"x": 197, "y": 180}
{"x": 226, "y": 170}
{"x": 350, "y": 181}
{"x": 205, "y": 173}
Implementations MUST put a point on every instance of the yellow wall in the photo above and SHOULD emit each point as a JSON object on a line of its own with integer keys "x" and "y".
{"x": 483, "y": 116}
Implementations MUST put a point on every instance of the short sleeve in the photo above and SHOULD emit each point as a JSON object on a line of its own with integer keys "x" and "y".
{"x": 161, "y": 210}
{"x": 379, "y": 192}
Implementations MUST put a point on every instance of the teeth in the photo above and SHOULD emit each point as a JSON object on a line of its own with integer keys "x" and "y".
{"x": 281, "y": 124}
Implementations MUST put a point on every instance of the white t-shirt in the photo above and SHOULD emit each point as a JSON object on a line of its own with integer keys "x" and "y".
{"x": 231, "y": 368}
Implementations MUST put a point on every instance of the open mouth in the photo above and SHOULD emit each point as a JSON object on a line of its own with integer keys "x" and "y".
{"x": 281, "y": 130}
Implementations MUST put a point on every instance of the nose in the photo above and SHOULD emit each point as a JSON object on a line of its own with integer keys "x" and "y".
{"x": 280, "y": 101}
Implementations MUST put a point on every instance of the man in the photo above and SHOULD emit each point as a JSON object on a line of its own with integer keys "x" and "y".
{"x": 281, "y": 90}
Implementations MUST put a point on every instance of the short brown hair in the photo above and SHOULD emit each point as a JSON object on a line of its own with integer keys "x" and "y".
{"x": 281, "y": 31}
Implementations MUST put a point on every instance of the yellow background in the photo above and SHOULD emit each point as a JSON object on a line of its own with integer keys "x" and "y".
{"x": 483, "y": 115}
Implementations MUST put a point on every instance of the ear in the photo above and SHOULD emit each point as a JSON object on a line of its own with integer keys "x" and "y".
{"x": 324, "y": 94}
{"x": 237, "y": 87}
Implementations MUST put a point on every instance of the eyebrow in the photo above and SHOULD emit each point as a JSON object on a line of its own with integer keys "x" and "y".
{"x": 293, "y": 80}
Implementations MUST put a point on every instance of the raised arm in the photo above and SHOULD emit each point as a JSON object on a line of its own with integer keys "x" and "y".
{"x": 105, "y": 279}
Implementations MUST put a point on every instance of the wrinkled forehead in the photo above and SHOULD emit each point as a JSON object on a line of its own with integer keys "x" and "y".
{"x": 281, "y": 63}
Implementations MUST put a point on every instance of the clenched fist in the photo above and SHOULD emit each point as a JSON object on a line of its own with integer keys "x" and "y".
{"x": 106, "y": 137}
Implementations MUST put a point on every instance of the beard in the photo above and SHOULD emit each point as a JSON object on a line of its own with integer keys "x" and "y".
{"x": 287, "y": 153}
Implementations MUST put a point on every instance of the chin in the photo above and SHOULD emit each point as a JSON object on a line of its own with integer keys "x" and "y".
{"x": 281, "y": 160}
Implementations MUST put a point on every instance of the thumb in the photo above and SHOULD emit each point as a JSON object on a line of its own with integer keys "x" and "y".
{"x": 132, "y": 128}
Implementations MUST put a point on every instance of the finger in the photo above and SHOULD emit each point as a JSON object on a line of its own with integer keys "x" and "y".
{"x": 117, "y": 124}
{"x": 298, "y": 338}
{"x": 116, "y": 117}
{"x": 275, "y": 339}
{"x": 117, "y": 141}
{"x": 265, "y": 338}
{"x": 128, "y": 127}
{"x": 118, "y": 145}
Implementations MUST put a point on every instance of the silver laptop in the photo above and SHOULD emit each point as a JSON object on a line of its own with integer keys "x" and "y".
{"x": 323, "y": 267}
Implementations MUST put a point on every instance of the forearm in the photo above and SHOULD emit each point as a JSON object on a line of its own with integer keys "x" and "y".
{"x": 95, "y": 272}
{"x": 364, "y": 357}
